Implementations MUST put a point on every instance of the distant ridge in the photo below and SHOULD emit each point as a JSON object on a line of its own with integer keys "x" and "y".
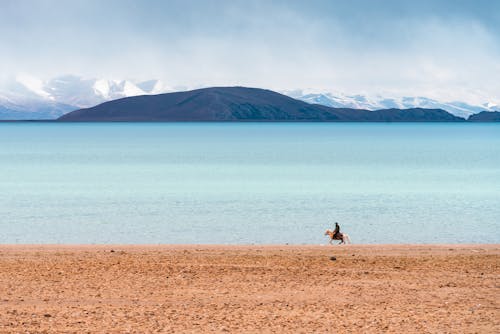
{"x": 240, "y": 104}
{"x": 485, "y": 116}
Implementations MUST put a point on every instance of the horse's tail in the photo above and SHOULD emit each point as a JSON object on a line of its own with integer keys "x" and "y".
{"x": 346, "y": 236}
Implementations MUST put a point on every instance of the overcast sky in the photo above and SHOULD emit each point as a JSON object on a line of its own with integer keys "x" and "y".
{"x": 442, "y": 49}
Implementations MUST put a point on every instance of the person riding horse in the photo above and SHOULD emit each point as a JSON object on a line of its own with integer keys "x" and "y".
{"x": 336, "y": 232}
{"x": 337, "y": 235}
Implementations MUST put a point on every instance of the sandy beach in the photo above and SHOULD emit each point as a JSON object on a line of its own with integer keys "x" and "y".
{"x": 300, "y": 289}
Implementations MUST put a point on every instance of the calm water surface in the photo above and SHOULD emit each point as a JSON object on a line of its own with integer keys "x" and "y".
{"x": 249, "y": 183}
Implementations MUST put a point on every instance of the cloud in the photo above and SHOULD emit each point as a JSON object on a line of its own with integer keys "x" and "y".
{"x": 434, "y": 48}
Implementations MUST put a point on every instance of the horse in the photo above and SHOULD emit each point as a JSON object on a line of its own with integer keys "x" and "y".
{"x": 343, "y": 237}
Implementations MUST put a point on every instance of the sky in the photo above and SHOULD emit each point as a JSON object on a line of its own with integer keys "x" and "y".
{"x": 447, "y": 49}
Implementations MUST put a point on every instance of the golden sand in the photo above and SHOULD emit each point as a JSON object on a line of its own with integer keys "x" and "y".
{"x": 300, "y": 289}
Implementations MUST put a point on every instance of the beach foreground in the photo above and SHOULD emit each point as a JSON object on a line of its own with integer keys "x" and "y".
{"x": 199, "y": 288}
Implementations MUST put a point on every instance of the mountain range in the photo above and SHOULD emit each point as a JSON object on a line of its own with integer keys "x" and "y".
{"x": 27, "y": 97}
{"x": 340, "y": 100}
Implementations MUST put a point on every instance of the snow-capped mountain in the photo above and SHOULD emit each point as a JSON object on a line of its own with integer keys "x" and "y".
{"x": 27, "y": 97}
{"x": 340, "y": 100}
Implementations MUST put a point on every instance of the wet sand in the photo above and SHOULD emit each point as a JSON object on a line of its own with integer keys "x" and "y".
{"x": 300, "y": 289}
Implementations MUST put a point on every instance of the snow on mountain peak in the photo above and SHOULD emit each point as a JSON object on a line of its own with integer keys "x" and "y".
{"x": 114, "y": 89}
{"x": 130, "y": 89}
{"x": 33, "y": 84}
{"x": 101, "y": 88}
{"x": 154, "y": 87}
{"x": 339, "y": 100}
{"x": 491, "y": 105}
{"x": 27, "y": 96}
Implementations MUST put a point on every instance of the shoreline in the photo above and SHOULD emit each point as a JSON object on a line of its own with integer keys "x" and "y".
{"x": 287, "y": 245}
{"x": 248, "y": 247}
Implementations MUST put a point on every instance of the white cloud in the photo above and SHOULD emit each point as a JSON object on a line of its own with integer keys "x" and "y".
{"x": 437, "y": 50}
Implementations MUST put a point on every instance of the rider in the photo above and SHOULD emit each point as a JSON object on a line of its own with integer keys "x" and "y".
{"x": 336, "y": 232}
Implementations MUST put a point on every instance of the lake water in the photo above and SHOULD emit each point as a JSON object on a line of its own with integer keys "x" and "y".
{"x": 249, "y": 183}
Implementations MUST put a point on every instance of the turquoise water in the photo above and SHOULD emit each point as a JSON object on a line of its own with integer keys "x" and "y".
{"x": 249, "y": 183}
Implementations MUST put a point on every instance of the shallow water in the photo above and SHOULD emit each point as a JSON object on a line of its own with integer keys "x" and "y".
{"x": 248, "y": 183}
